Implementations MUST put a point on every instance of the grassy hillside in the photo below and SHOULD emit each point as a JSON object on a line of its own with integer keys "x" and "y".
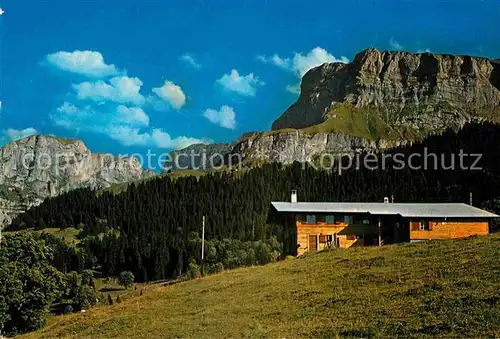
{"x": 447, "y": 288}
{"x": 68, "y": 235}
{"x": 369, "y": 123}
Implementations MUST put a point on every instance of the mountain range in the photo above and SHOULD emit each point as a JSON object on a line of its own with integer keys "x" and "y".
{"x": 37, "y": 167}
{"x": 378, "y": 101}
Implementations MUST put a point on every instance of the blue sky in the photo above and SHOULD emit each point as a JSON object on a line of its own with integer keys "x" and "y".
{"x": 127, "y": 76}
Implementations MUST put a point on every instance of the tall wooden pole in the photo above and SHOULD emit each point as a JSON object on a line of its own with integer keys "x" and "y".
{"x": 202, "y": 244}
{"x": 379, "y": 233}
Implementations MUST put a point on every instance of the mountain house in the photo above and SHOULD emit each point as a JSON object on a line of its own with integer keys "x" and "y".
{"x": 321, "y": 225}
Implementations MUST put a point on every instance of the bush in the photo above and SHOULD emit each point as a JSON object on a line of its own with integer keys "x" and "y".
{"x": 232, "y": 253}
{"x": 88, "y": 278}
{"x": 193, "y": 270}
{"x": 219, "y": 267}
{"x": 262, "y": 253}
{"x": 72, "y": 283}
{"x": 29, "y": 285}
{"x": 68, "y": 309}
{"x": 126, "y": 279}
{"x": 85, "y": 297}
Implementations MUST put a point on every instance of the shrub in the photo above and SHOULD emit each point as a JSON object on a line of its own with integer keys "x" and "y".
{"x": 126, "y": 279}
{"x": 88, "y": 278}
{"x": 68, "y": 309}
{"x": 72, "y": 283}
{"x": 219, "y": 267}
{"x": 85, "y": 297}
{"x": 262, "y": 253}
{"x": 29, "y": 285}
{"x": 193, "y": 270}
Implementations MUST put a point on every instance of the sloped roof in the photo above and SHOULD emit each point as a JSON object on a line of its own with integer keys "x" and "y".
{"x": 408, "y": 210}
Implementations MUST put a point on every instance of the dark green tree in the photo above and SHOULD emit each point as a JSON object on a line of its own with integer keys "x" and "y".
{"x": 126, "y": 279}
{"x": 85, "y": 297}
{"x": 29, "y": 285}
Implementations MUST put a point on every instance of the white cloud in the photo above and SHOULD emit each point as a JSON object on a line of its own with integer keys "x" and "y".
{"x": 424, "y": 50}
{"x": 244, "y": 85}
{"x": 121, "y": 123}
{"x": 295, "y": 89}
{"x": 15, "y": 134}
{"x": 67, "y": 108}
{"x": 70, "y": 116}
{"x": 316, "y": 57}
{"x": 121, "y": 89}
{"x": 190, "y": 60}
{"x": 134, "y": 116}
{"x": 1, "y": 11}
{"x": 129, "y": 136}
{"x": 164, "y": 140}
{"x": 275, "y": 60}
{"x": 96, "y": 118}
{"x": 88, "y": 63}
{"x": 299, "y": 64}
{"x": 114, "y": 106}
{"x": 262, "y": 58}
{"x": 395, "y": 45}
{"x": 172, "y": 94}
{"x": 224, "y": 117}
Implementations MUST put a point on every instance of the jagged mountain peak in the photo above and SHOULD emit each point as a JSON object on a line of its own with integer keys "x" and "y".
{"x": 47, "y": 138}
{"x": 398, "y": 92}
{"x": 41, "y": 166}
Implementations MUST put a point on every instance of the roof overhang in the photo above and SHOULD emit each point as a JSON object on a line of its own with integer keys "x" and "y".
{"x": 407, "y": 210}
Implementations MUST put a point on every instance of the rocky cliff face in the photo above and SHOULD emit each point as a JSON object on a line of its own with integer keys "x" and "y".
{"x": 378, "y": 101}
{"x": 197, "y": 156}
{"x": 38, "y": 167}
{"x": 423, "y": 92}
{"x": 290, "y": 146}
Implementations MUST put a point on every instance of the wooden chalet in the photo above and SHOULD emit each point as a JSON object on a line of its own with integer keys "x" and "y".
{"x": 321, "y": 225}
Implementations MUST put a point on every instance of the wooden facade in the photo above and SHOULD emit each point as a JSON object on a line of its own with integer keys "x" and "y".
{"x": 446, "y": 229}
{"x": 323, "y": 235}
{"x": 320, "y": 235}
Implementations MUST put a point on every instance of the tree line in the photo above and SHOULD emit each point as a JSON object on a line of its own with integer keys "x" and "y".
{"x": 149, "y": 228}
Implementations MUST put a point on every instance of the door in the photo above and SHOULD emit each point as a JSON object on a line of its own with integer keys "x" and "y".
{"x": 312, "y": 243}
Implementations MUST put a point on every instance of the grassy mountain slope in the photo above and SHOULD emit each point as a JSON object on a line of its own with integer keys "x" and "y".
{"x": 446, "y": 288}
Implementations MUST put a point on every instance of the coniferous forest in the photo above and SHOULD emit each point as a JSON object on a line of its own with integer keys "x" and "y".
{"x": 152, "y": 229}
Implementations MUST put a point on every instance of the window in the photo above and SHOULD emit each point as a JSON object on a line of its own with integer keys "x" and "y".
{"x": 330, "y": 219}
{"x": 311, "y": 219}
{"x": 424, "y": 225}
{"x": 348, "y": 219}
{"x": 320, "y": 218}
{"x": 324, "y": 238}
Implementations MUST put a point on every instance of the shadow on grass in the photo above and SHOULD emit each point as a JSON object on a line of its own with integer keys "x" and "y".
{"x": 111, "y": 289}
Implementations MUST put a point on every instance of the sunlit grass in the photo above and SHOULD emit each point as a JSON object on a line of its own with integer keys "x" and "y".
{"x": 446, "y": 288}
